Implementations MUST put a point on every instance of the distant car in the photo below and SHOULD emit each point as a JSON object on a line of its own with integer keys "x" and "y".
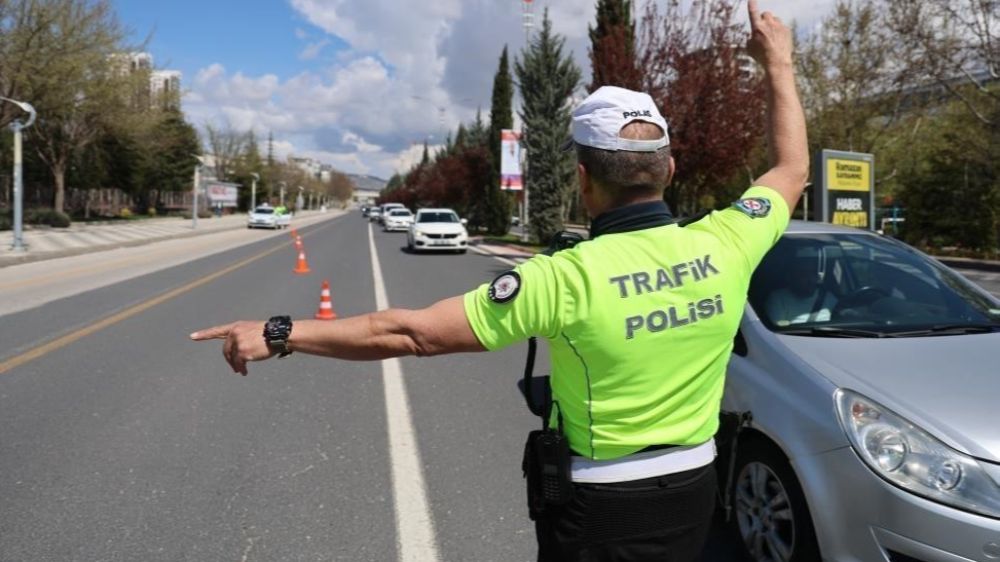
{"x": 374, "y": 213}
{"x": 437, "y": 229}
{"x": 398, "y": 219}
{"x": 385, "y": 208}
{"x": 515, "y": 220}
{"x": 266, "y": 216}
{"x": 864, "y": 384}
{"x": 364, "y": 210}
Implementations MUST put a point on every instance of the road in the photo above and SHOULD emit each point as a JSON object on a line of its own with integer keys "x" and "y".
{"x": 123, "y": 440}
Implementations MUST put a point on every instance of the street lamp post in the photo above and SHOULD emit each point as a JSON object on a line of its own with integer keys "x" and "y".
{"x": 253, "y": 191}
{"x": 282, "y": 192}
{"x": 18, "y": 126}
{"x": 194, "y": 192}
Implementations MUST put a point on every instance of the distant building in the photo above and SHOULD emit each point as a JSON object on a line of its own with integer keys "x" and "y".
{"x": 164, "y": 86}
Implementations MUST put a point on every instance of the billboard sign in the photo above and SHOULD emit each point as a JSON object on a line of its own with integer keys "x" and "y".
{"x": 510, "y": 161}
{"x": 222, "y": 192}
{"x": 847, "y": 188}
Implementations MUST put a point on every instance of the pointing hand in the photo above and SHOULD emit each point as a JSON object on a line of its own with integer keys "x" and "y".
{"x": 244, "y": 341}
{"x": 770, "y": 40}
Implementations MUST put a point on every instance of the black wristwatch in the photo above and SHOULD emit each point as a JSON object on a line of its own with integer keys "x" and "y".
{"x": 276, "y": 333}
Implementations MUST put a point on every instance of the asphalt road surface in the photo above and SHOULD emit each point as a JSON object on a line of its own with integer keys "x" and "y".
{"x": 121, "y": 440}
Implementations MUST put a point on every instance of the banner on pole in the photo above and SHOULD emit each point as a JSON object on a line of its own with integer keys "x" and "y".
{"x": 510, "y": 161}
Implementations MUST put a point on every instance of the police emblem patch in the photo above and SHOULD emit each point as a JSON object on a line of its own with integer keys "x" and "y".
{"x": 505, "y": 287}
{"x": 754, "y": 207}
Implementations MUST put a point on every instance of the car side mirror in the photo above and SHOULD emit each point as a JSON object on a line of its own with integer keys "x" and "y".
{"x": 465, "y": 222}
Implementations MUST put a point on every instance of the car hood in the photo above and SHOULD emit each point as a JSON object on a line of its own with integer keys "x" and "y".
{"x": 947, "y": 385}
{"x": 440, "y": 227}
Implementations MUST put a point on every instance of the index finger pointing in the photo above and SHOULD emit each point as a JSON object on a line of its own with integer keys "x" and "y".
{"x": 754, "y": 12}
{"x": 215, "y": 333}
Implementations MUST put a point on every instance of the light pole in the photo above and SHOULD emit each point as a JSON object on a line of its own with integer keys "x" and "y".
{"x": 282, "y": 192}
{"x": 253, "y": 191}
{"x": 194, "y": 192}
{"x": 18, "y": 126}
{"x": 299, "y": 202}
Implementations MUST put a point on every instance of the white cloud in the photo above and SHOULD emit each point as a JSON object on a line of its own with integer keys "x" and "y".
{"x": 412, "y": 70}
{"x": 312, "y": 50}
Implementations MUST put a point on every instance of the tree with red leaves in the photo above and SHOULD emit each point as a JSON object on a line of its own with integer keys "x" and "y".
{"x": 612, "y": 47}
{"x": 706, "y": 86}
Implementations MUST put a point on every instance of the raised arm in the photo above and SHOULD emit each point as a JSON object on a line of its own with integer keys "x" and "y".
{"x": 771, "y": 46}
{"x": 438, "y": 329}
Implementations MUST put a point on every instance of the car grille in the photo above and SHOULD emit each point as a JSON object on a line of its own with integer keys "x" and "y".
{"x": 442, "y": 236}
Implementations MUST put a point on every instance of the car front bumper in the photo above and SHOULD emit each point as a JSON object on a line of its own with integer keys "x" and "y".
{"x": 861, "y": 517}
{"x": 262, "y": 224}
{"x": 440, "y": 242}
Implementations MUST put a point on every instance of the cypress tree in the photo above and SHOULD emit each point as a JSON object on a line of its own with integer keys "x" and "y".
{"x": 498, "y": 203}
{"x": 547, "y": 77}
{"x": 612, "y": 47}
{"x": 426, "y": 158}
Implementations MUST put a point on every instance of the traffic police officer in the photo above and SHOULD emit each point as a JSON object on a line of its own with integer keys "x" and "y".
{"x": 640, "y": 322}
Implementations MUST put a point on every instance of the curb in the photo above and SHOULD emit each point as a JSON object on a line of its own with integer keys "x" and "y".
{"x": 969, "y": 263}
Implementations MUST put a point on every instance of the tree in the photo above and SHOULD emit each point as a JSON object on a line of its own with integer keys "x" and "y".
{"x": 547, "y": 79}
{"x": 853, "y": 88}
{"x": 706, "y": 87}
{"x": 73, "y": 76}
{"x": 227, "y": 146}
{"x": 612, "y": 47}
{"x": 497, "y": 202}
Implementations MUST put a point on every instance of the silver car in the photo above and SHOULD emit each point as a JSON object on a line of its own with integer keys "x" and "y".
{"x": 862, "y": 406}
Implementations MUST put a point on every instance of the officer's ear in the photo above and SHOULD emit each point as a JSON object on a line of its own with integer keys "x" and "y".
{"x": 585, "y": 181}
{"x": 673, "y": 168}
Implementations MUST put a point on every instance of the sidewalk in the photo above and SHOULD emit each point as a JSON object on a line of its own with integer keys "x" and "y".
{"x": 80, "y": 238}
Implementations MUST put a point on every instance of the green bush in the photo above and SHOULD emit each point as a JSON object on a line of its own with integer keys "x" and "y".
{"x": 6, "y": 223}
{"x": 48, "y": 217}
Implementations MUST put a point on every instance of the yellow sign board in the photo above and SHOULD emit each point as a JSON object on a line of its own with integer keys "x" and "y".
{"x": 848, "y": 175}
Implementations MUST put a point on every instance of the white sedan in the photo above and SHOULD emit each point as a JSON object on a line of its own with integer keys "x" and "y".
{"x": 398, "y": 219}
{"x": 437, "y": 229}
{"x": 265, "y": 216}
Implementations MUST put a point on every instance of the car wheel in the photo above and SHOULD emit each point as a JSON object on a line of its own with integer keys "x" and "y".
{"x": 771, "y": 516}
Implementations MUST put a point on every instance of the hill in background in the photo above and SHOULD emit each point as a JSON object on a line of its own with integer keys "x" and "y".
{"x": 367, "y": 183}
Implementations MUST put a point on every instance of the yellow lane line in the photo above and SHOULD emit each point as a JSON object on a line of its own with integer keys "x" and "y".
{"x": 58, "y": 343}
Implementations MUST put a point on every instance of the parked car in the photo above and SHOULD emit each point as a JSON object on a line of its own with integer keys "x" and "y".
{"x": 398, "y": 219}
{"x": 266, "y": 216}
{"x": 437, "y": 229}
{"x": 862, "y": 405}
{"x": 373, "y": 214}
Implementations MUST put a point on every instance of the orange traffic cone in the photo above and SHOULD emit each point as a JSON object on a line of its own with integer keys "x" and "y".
{"x": 301, "y": 267}
{"x": 325, "y": 311}
{"x": 293, "y": 233}
{"x": 298, "y": 243}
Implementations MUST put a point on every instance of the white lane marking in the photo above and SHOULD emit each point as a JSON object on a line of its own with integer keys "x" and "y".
{"x": 414, "y": 525}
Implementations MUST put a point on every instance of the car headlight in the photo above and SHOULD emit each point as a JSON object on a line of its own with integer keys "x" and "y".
{"x": 418, "y": 232}
{"x": 912, "y": 459}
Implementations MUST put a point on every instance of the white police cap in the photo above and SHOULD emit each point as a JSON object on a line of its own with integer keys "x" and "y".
{"x": 599, "y": 119}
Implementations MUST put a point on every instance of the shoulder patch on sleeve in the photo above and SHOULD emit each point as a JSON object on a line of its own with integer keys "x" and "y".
{"x": 754, "y": 207}
{"x": 505, "y": 287}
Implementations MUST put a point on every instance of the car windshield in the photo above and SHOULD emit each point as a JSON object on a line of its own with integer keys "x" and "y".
{"x": 437, "y": 217}
{"x": 864, "y": 285}
{"x": 400, "y": 213}
{"x": 263, "y": 210}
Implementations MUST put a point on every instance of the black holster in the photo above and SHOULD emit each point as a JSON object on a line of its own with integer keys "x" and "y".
{"x": 546, "y": 466}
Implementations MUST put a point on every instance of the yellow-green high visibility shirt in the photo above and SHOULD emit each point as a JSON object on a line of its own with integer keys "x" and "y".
{"x": 640, "y": 324}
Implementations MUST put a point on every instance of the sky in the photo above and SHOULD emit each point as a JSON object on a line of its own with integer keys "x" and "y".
{"x": 359, "y": 84}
